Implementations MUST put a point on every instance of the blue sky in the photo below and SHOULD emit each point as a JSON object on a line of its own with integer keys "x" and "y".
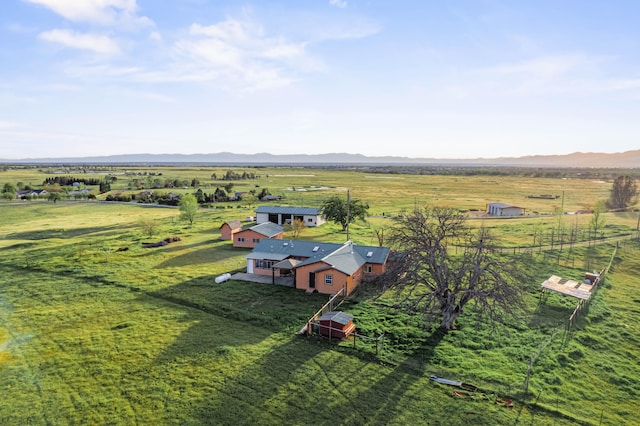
{"x": 422, "y": 79}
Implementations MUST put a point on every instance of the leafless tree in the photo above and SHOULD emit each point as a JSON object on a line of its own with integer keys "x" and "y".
{"x": 431, "y": 279}
{"x": 148, "y": 225}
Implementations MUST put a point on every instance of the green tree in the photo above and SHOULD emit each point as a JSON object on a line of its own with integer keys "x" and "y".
{"x": 335, "y": 210}
{"x": 188, "y": 208}
{"x": 295, "y": 228}
{"x": 597, "y": 219}
{"x": 54, "y": 196}
{"x": 624, "y": 192}
{"x": 9, "y": 187}
{"x": 249, "y": 199}
{"x": 200, "y": 196}
{"x": 443, "y": 284}
{"x": 148, "y": 225}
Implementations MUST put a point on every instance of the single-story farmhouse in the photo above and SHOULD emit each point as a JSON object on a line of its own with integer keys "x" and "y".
{"x": 282, "y": 215}
{"x": 322, "y": 267}
{"x": 227, "y": 229}
{"x": 248, "y": 238}
{"x": 502, "y": 209}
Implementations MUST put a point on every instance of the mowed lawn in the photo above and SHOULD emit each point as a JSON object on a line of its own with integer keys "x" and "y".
{"x": 92, "y": 335}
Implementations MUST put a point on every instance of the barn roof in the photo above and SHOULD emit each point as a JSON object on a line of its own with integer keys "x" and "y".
{"x": 233, "y": 224}
{"x": 288, "y": 210}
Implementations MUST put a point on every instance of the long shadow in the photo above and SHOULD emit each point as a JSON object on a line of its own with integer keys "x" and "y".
{"x": 394, "y": 387}
{"x": 61, "y": 232}
{"x": 214, "y": 252}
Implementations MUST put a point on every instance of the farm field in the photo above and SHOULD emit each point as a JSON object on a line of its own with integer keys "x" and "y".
{"x": 93, "y": 335}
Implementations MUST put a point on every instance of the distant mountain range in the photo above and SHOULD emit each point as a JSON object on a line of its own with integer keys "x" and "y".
{"x": 624, "y": 160}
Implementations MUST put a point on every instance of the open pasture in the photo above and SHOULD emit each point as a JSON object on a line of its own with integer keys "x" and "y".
{"x": 92, "y": 335}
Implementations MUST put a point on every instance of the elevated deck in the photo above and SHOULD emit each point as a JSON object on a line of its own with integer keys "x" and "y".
{"x": 568, "y": 287}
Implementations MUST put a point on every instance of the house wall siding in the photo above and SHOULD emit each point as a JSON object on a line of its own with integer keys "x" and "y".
{"x": 249, "y": 236}
{"x": 340, "y": 280}
{"x": 261, "y": 271}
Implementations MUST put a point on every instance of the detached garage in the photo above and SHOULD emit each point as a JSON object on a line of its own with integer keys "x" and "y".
{"x": 502, "y": 209}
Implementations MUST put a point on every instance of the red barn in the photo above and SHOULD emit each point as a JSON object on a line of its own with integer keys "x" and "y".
{"x": 336, "y": 324}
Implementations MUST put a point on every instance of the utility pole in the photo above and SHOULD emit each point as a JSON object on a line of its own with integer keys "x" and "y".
{"x": 348, "y": 212}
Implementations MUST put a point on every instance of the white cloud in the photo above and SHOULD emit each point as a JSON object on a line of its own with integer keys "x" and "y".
{"x": 241, "y": 53}
{"x": 546, "y": 67}
{"x": 562, "y": 73}
{"x": 155, "y": 36}
{"x": 104, "y": 12}
{"x": 338, "y": 3}
{"x": 95, "y": 42}
{"x": 9, "y": 125}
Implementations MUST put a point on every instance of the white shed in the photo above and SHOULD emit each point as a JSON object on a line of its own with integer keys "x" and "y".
{"x": 502, "y": 209}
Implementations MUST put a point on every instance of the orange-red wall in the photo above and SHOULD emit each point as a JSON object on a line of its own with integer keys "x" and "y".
{"x": 226, "y": 233}
{"x": 248, "y": 236}
{"x": 340, "y": 280}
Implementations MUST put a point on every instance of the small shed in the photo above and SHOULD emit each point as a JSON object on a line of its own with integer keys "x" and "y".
{"x": 227, "y": 229}
{"x": 336, "y": 324}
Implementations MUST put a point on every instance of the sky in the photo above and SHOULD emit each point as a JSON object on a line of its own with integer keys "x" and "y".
{"x": 419, "y": 79}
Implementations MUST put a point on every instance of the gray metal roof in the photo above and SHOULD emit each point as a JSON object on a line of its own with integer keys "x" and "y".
{"x": 275, "y": 249}
{"x": 288, "y": 210}
{"x": 268, "y": 229}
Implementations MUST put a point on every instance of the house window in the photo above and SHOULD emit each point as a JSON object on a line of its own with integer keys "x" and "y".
{"x": 264, "y": 264}
{"x": 241, "y": 239}
{"x": 310, "y": 220}
{"x": 328, "y": 279}
{"x": 368, "y": 268}
{"x": 256, "y": 240}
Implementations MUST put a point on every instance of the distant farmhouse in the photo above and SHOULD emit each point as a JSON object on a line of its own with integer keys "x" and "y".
{"x": 322, "y": 267}
{"x": 31, "y": 193}
{"x": 502, "y": 209}
{"x": 249, "y": 238}
{"x": 285, "y": 215}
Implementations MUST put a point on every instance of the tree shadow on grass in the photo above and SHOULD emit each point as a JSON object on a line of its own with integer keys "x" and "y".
{"x": 389, "y": 391}
{"x": 211, "y": 253}
{"x": 62, "y": 232}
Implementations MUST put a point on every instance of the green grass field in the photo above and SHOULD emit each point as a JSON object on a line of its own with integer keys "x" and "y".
{"x": 91, "y": 335}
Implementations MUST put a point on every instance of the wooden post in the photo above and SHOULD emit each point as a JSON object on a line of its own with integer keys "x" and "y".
{"x": 526, "y": 380}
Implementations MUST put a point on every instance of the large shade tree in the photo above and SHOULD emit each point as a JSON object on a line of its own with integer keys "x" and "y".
{"x": 338, "y": 210}
{"x": 443, "y": 269}
{"x": 624, "y": 193}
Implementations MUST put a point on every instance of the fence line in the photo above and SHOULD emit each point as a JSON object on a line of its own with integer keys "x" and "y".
{"x": 329, "y": 306}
